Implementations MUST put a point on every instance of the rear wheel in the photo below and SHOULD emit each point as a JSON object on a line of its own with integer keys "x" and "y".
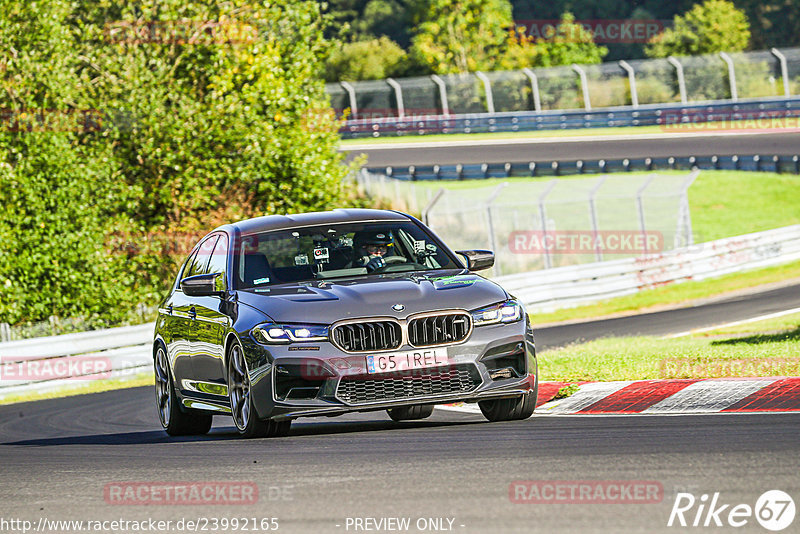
{"x": 409, "y": 413}
{"x": 242, "y": 408}
{"x": 175, "y": 421}
{"x": 512, "y": 409}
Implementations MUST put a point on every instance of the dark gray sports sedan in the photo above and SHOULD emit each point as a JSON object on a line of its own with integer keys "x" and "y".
{"x": 281, "y": 317}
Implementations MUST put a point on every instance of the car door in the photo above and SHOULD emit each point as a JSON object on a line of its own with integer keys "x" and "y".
{"x": 185, "y": 311}
{"x": 178, "y": 329}
{"x": 211, "y": 323}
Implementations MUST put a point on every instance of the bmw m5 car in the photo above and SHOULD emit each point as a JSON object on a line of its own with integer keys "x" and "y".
{"x": 322, "y": 314}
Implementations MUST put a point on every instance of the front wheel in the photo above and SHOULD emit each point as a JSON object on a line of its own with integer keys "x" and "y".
{"x": 410, "y": 413}
{"x": 513, "y": 409}
{"x": 242, "y": 408}
{"x": 173, "y": 419}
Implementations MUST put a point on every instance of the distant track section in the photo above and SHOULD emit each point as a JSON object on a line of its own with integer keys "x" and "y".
{"x": 421, "y": 152}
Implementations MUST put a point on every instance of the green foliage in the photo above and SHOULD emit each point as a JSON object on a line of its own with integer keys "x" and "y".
{"x": 374, "y": 59}
{"x": 464, "y": 36}
{"x": 456, "y": 36}
{"x": 213, "y": 113}
{"x": 710, "y": 27}
{"x": 384, "y": 18}
{"x": 570, "y": 43}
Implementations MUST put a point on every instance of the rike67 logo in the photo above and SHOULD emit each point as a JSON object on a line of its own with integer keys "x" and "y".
{"x": 774, "y": 510}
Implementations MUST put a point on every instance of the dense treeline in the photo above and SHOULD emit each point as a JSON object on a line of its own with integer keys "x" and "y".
{"x": 414, "y": 37}
{"x": 129, "y": 131}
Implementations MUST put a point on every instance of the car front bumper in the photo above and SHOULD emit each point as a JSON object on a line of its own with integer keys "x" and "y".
{"x": 499, "y": 359}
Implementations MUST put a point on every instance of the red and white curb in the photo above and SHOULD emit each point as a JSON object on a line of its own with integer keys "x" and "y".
{"x": 712, "y": 395}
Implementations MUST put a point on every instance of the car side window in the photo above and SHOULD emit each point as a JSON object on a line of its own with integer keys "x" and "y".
{"x": 201, "y": 260}
{"x": 186, "y": 267}
{"x": 219, "y": 261}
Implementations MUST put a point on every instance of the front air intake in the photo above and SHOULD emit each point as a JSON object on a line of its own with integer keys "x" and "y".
{"x": 367, "y": 336}
{"x": 438, "y": 329}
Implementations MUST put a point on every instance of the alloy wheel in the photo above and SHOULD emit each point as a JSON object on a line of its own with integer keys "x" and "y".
{"x": 239, "y": 388}
{"x": 163, "y": 388}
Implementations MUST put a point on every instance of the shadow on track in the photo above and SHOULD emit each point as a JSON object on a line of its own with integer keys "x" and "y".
{"x": 316, "y": 428}
{"x": 758, "y": 339}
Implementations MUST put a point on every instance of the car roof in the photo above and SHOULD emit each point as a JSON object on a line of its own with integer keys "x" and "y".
{"x": 283, "y": 222}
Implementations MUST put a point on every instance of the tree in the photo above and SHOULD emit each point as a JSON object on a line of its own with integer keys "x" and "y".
{"x": 373, "y": 59}
{"x": 707, "y": 28}
{"x": 460, "y": 35}
{"x": 569, "y": 43}
{"x": 199, "y": 114}
{"x": 388, "y": 18}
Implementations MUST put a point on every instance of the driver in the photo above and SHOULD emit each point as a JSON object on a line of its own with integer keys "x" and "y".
{"x": 373, "y": 246}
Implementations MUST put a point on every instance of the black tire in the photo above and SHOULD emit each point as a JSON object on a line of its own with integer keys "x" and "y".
{"x": 409, "y": 413}
{"x": 243, "y": 409}
{"x": 175, "y": 419}
{"x": 513, "y": 409}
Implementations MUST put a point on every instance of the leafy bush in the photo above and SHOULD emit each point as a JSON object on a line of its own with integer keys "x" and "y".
{"x": 211, "y": 113}
{"x": 713, "y": 26}
{"x": 373, "y": 59}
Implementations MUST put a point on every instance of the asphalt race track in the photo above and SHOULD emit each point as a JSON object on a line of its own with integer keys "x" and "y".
{"x": 586, "y": 148}
{"x": 712, "y": 312}
{"x": 57, "y": 456}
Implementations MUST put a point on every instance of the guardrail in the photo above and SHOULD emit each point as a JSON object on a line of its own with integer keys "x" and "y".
{"x": 562, "y": 287}
{"x": 47, "y": 363}
{"x": 526, "y": 169}
{"x": 126, "y": 351}
{"x": 671, "y": 117}
{"x": 568, "y": 96}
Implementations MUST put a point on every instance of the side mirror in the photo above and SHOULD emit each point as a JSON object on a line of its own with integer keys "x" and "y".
{"x": 478, "y": 260}
{"x": 201, "y": 285}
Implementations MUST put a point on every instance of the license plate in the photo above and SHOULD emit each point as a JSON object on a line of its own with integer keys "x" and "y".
{"x": 405, "y": 361}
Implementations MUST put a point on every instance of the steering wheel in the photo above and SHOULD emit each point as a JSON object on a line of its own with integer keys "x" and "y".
{"x": 399, "y": 267}
{"x": 394, "y": 259}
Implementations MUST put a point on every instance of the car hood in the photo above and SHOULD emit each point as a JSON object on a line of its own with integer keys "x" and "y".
{"x": 325, "y": 302}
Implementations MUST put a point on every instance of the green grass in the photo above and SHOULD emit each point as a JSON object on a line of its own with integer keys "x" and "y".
{"x": 709, "y": 127}
{"x": 729, "y": 203}
{"x": 764, "y": 348}
{"x": 722, "y": 203}
{"x": 89, "y": 386}
{"x": 581, "y": 132}
{"x": 672, "y": 295}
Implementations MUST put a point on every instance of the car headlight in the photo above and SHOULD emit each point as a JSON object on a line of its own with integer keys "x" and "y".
{"x": 271, "y": 333}
{"x": 505, "y": 312}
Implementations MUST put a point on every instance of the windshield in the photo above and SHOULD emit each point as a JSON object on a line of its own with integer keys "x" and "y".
{"x": 339, "y": 250}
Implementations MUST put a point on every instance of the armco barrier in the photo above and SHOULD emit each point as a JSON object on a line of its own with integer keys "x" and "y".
{"x": 27, "y": 365}
{"x": 548, "y": 168}
{"x": 129, "y": 349}
{"x": 563, "y": 287}
{"x": 671, "y": 117}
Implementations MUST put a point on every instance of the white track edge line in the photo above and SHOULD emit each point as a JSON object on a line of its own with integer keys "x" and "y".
{"x": 734, "y": 323}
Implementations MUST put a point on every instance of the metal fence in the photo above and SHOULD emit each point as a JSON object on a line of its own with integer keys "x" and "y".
{"x": 674, "y": 80}
{"x": 563, "y": 287}
{"x": 540, "y": 224}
